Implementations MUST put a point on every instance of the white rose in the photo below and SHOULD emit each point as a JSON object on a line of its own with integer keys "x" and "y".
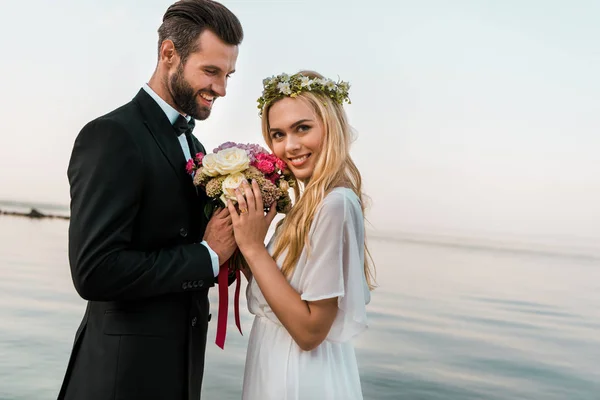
{"x": 209, "y": 165}
{"x": 231, "y": 160}
{"x": 231, "y": 183}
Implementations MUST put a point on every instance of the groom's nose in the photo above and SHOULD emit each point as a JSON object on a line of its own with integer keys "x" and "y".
{"x": 220, "y": 87}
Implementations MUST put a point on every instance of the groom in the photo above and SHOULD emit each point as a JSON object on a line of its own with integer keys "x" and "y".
{"x": 140, "y": 248}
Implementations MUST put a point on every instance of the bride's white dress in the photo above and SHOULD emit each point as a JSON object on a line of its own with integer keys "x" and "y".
{"x": 276, "y": 368}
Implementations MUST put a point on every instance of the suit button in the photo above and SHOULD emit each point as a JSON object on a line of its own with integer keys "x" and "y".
{"x": 184, "y": 286}
{"x": 195, "y": 284}
{"x": 194, "y": 321}
{"x": 200, "y": 283}
{"x": 183, "y": 232}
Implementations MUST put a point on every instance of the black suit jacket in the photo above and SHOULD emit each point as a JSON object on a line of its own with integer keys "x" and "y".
{"x": 135, "y": 254}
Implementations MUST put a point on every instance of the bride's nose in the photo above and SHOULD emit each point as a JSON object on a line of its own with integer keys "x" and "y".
{"x": 292, "y": 143}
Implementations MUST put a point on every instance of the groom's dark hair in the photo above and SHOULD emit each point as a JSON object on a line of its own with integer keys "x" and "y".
{"x": 185, "y": 20}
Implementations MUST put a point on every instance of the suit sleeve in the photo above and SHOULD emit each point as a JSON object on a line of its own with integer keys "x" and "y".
{"x": 105, "y": 174}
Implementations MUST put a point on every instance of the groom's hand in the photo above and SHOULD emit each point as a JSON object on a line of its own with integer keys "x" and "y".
{"x": 219, "y": 235}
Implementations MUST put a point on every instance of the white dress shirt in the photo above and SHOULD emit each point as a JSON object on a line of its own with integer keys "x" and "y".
{"x": 172, "y": 114}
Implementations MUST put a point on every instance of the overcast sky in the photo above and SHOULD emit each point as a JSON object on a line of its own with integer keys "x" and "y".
{"x": 472, "y": 116}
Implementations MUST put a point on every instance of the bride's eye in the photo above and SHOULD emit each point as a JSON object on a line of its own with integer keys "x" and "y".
{"x": 276, "y": 135}
{"x": 303, "y": 128}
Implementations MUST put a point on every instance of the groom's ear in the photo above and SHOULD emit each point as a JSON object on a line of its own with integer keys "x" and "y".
{"x": 167, "y": 53}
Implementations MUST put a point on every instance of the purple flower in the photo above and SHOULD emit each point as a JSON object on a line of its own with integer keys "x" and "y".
{"x": 251, "y": 149}
{"x": 224, "y": 146}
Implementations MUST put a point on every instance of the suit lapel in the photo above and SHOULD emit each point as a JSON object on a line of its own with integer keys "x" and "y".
{"x": 163, "y": 133}
{"x": 192, "y": 145}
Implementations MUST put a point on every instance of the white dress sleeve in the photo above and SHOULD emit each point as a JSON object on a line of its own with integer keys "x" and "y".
{"x": 334, "y": 266}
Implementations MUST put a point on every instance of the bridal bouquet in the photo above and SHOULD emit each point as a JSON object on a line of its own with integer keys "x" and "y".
{"x": 220, "y": 173}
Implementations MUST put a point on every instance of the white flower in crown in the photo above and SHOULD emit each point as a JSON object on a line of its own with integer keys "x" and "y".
{"x": 284, "y": 87}
{"x": 269, "y": 81}
{"x": 305, "y": 81}
{"x": 275, "y": 87}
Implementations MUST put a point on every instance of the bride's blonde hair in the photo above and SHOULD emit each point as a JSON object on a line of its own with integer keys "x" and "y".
{"x": 334, "y": 168}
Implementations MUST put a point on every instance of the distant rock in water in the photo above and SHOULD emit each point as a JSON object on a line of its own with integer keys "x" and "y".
{"x": 34, "y": 213}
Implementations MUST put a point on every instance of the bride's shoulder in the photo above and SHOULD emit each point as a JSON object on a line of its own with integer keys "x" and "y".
{"x": 342, "y": 195}
{"x": 340, "y": 192}
{"x": 340, "y": 200}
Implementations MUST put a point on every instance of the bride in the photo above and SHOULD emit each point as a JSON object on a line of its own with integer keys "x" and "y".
{"x": 308, "y": 289}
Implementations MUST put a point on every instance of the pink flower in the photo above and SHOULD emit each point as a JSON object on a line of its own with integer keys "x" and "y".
{"x": 280, "y": 164}
{"x": 273, "y": 159}
{"x": 199, "y": 157}
{"x": 265, "y": 166}
{"x": 190, "y": 166}
{"x": 273, "y": 178}
{"x": 265, "y": 157}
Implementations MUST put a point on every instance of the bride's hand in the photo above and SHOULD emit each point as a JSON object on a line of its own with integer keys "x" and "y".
{"x": 250, "y": 225}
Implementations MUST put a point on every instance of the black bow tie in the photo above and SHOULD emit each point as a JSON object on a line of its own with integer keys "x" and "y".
{"x": 182, "y": 126}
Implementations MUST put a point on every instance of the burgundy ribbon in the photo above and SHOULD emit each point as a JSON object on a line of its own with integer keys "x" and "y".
{"x": 236, "y": 302}
{"x": 224, "y": 304}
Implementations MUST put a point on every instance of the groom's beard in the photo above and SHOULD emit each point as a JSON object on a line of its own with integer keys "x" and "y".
{"x": 184, "y": 96}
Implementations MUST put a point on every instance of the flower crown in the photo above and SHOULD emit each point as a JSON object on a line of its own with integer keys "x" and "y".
{"x": 276, "y": 87}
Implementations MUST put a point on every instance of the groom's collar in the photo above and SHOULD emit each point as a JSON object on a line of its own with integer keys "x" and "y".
{"x": 171, "y": 113}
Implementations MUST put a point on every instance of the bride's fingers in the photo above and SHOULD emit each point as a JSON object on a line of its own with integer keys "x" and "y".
{"x": 232, "y": 211}
{"x": 257, "y": 195}
{"x": 272, "y": 213}
{"x": 249, "y": 195}
{"x": 242, "y": 205}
